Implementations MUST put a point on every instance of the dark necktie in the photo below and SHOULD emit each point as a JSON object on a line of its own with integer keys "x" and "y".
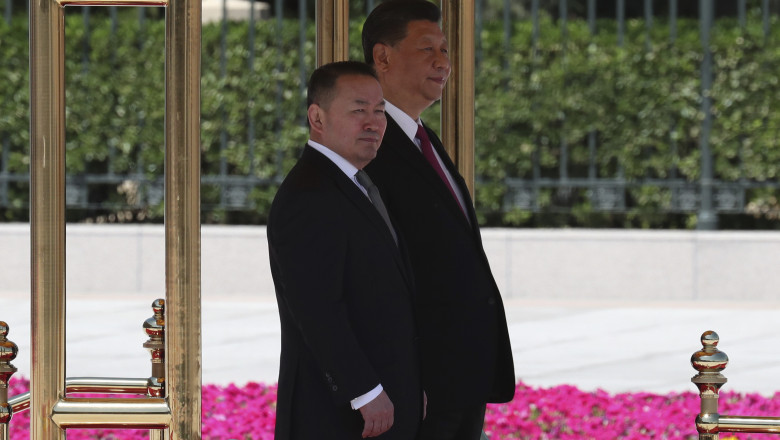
{"x": 376, "y": 199}
{"x": 427, "y": 151}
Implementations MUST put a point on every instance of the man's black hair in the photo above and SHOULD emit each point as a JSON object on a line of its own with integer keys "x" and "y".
{"x": 323, "y": 80}
{"x": 388, "y": 22}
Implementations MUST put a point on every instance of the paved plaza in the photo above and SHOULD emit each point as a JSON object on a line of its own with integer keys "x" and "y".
{"x": 617, "y": 347}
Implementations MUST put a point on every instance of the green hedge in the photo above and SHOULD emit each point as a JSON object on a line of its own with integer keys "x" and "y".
{"x": 638, "y": 99}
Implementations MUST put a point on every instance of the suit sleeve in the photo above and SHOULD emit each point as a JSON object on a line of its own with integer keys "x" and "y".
{"x": 309, "y": 244}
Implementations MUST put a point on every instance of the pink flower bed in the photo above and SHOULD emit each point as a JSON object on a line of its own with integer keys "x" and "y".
{"x": 558, "y": 413}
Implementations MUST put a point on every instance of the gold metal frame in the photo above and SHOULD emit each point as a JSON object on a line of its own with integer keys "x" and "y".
{"x": 709, "y": 362}
{"x": 457, "y": 104}
{"x": 332, "y": 31}
{"x": 179, "y": 413}
{"x": 172, "y": 411}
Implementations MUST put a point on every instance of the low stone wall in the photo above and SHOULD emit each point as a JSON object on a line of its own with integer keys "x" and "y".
{"x": 634, "y": 265}
{"x": 529, "y": 264}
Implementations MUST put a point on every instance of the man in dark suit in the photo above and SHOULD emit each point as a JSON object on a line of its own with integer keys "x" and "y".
{"x": 349, "y": 363}
{"x": 464, "y": 342}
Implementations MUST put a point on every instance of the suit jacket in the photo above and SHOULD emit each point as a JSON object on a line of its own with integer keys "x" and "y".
{"x": 464, "y": 342}
{"x": 345, "y": 304}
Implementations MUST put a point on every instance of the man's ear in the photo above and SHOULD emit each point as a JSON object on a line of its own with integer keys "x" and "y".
{"x": 316, "y": 115}
{"x": 381, "y": 57}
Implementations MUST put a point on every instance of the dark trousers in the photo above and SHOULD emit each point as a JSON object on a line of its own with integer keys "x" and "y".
{"x": 464, "y": 424}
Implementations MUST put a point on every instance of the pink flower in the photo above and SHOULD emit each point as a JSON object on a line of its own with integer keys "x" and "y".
{"x": 563, "y": 412}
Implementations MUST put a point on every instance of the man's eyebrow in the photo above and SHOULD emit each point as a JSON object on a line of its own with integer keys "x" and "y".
{"x": 364, "y": 102}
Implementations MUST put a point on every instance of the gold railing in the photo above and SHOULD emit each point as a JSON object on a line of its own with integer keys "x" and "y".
{"x": 151, "y": 412}
{"x": 8, "y": 352}
{"x": 709, "y": 362}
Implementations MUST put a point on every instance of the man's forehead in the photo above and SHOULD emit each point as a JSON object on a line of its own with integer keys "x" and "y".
{"x": 361, "y": 89}
{"x": 432, "y": 37}
{"x": 425, "y": 29}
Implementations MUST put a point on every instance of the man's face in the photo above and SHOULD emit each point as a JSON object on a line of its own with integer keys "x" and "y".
{"x": 354, "y": 121}
{"x": 419, "y": 66}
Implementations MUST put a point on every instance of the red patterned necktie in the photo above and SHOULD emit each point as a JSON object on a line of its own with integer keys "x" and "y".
{"x": 427, "y": 151}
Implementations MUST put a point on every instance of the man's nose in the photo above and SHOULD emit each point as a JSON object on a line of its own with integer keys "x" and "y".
{"x": 374, "y": 122}
{"x": 442, "y": 61}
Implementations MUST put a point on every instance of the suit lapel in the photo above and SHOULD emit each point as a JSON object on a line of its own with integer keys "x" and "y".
{"x": 459, "y": 181}
{"x": 411, "y": 153}
{"x": 350, "y": 190}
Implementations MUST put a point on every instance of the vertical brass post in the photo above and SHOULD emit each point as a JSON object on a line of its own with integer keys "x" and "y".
{"x": 709, "y": 362}
{"x": 8, "y": 351}
{"x": 182, "y": 218}
{"x": 47, "y": 215}
{"x": 332, "y": 18}
{"x": 457, "y": 107}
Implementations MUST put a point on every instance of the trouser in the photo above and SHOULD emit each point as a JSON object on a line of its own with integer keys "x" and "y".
{"x": 462, "y": 424}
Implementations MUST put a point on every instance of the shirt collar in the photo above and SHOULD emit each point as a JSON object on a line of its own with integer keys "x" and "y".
{"x": 346, "y": 167}
{"x": 407, "y": 124}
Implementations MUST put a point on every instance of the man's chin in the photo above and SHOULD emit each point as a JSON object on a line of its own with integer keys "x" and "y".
{"x": 434, "y": 95}
{"x": 370, "y": 154}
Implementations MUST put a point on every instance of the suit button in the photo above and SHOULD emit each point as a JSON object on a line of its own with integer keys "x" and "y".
{"x": 334, "y": 388}
{"x": 491, "y": 301}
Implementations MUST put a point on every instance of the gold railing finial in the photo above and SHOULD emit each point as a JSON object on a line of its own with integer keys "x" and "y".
{"x": 155, "y": 329}
{"x": 709, "y": 362}
{"x": 8, "y": 351}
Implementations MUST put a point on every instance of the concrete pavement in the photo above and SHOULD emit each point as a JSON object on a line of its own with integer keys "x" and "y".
{"x": 617, "y": 347}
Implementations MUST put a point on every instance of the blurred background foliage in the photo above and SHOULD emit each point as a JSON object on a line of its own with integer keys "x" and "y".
{"x": 641, "y": 99}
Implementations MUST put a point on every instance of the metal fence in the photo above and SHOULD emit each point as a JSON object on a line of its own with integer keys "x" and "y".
{"x": 705, "y": 195}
